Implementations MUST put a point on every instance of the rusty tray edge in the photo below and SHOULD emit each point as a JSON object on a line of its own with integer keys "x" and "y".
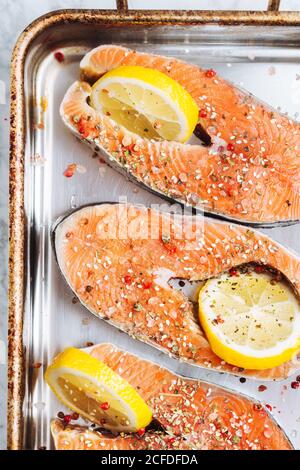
{"x": 16, "y": 290}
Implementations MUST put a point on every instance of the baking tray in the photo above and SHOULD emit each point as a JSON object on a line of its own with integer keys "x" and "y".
{"x": 42, "y": 318}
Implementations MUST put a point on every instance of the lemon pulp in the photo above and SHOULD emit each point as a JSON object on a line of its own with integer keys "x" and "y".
{"x": 96, "y": 392}
{"x": 146, "y": 102}
{"x": 250, "y": 320}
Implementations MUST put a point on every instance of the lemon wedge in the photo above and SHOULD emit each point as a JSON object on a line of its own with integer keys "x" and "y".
{"x": 96, "y": 392}
{"x": 146, "y": 102}
{"x": 250, "y": 320}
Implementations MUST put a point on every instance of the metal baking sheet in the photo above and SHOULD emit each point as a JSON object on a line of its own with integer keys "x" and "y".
{"x": 265, "y": 61}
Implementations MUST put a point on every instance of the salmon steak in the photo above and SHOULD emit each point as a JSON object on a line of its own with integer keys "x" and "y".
{"x": 250, "y": 173}
{"x": 118, "y": 260}
{"x": 188, "y": 414}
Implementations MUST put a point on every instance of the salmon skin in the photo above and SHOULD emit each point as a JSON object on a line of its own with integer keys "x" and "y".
{"x": 118, "y": 258}
{"x": 72, "y": 437}
{"x": 251, "y": 172}
{"x": 192, "y": 414}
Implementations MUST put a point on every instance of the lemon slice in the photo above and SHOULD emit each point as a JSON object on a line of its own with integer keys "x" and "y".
{"x": 146, "y": 102}
{"x": 250, "y": 320}
{"x": 96, "y": 392}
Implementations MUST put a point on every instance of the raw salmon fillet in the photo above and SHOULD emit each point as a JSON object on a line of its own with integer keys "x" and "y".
{"x": 193, "y": 414}
{"x": 118, "y": 259}
{"x": 251, "y": 173}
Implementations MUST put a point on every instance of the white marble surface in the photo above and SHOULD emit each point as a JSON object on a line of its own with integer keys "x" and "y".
{"x": 200, "y": 4}
{"x": 14, "y": 16}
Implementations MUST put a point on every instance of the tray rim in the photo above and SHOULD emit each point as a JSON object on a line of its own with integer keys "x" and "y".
{"x": 17, "y": 233}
